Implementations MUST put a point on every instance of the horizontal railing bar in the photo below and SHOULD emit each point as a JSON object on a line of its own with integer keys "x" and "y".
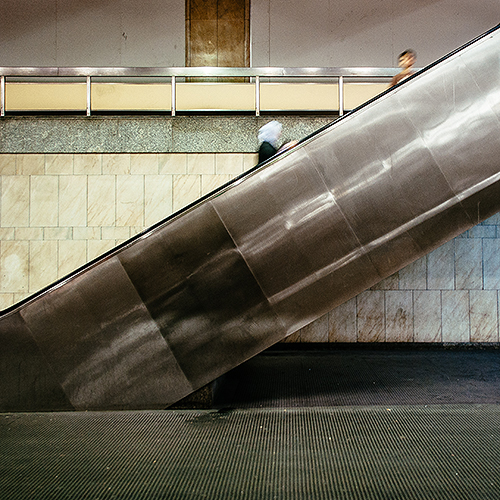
{"x": 363, "y": 72}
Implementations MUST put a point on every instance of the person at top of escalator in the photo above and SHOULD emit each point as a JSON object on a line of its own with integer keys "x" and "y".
{"x": 406, "y": 60}
{"x": 269, "y": 136}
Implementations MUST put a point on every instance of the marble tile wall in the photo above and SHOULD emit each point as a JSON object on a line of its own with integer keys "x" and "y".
{"x": 449, "y": 296}
{"x": 59, "y": 211}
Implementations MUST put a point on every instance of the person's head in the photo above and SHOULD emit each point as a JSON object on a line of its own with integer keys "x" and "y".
{"x": 270, "y": 132}
{"x": 407, "y": 59}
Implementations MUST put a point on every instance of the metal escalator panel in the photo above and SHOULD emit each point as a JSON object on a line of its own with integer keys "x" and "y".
{"x": 215, "y": 284}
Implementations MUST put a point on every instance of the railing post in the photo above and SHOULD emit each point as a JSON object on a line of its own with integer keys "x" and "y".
{"x": 257, "y": 95}
{"x": 173, "y": 104}
{"x": 89, "y": 103}
{"x": 2, "y": 96}
{"x": 341, "y": 95}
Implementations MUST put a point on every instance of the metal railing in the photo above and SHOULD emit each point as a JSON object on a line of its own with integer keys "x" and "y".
{"x": 144, "y": 74}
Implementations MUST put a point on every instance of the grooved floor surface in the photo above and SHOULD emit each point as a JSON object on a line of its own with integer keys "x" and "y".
{"x": 444, "y": 444}
{"x": 284, "y": 377}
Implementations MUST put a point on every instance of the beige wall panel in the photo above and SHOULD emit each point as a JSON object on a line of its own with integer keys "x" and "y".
{"x": 158, "y": 198}
{"x": 229, "y": 163}
{"x": 14, "y": 273}
{"x": 44, "y": 200}
{"x": 129, "y": 96}
{"x": 87, "y": 164}
{"x": 101, "y": 205}
{"x": 43, "y": 264}
{"x": 185, "y": 189}
{"x": 211, "y": 182}
{"x": 58, "y": 164}
{"x": 95, "y": 248}
{"x": 8, "y": 164}
{"x": 72, "y": 254}
{"x": 201, "y": 163}
{"x": 356, "y": 94}
{"x": 298, "y": 96}
{"x": 215, "y": 96}
{"x": 15, "y": 201}
{"x": 31, "y": 164}
{"x": 73, "y": 200}
{"x": 45, "y": 96}
{"x": 172, "y": 163}
{"x": 130, "y": 200}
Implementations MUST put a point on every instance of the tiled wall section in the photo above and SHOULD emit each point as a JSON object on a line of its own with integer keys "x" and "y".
{"x": 451, "y": 296}
{"x": 58, "y": 211}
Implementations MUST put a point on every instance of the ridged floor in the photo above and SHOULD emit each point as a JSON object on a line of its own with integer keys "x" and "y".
{"x": 424, "y": 450}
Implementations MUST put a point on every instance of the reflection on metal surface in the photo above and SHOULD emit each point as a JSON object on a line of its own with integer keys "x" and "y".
{"x": 203, "y": 291}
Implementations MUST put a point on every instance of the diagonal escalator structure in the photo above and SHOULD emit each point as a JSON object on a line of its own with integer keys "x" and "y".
{"x": 211, "y": 286}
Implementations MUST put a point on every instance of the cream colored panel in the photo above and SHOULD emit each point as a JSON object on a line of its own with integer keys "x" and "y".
{"x": 6, "y": 300}
{"x": 116, "y": 233}
{"x": 101, "y": 200}
{"x": 211, "y": 182}
{"x": 59, "y": 164}
{"x": 186, "y": 189}
{"x": 356, "y": 94}
{"x": 298, "y": 96}
{"x": 28, "y": 164}
{"x": 44, "y": 202}
{"x": 229, "y": 163}
{"x": 116, "y": 164}
{"x": 7, "y": 164}
{"x": 414, "y": 275}
{"x": 158, "y": 198}
{"x": 45, "y": 96}
{"x": 43, "y": 264}
{"x": 215, "y": 96}
{"x": 15, "y": 202}
{"x": 144, "y": 163}
{"x": 129, "y": 200}
{"x": 28, "y": 233}
{"x": 172, "y": 163}
{"x": 96, "y": 248}
{"x": 131, "y": 96}
{"x": 14, "y": 265}
{"x": 73, "y": 200}
{"x": 57, "y": 233}
{"x": 87, "y": 164}
{"x": 201, "y": 163}
{"x": 72, "y": 255}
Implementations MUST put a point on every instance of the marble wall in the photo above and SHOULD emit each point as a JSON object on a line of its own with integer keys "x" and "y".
{"x": 59, "y": 211}
{"x": 449, "y": 296}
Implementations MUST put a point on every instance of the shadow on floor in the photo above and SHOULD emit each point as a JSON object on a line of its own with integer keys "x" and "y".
{"x": 347, "y": 376}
